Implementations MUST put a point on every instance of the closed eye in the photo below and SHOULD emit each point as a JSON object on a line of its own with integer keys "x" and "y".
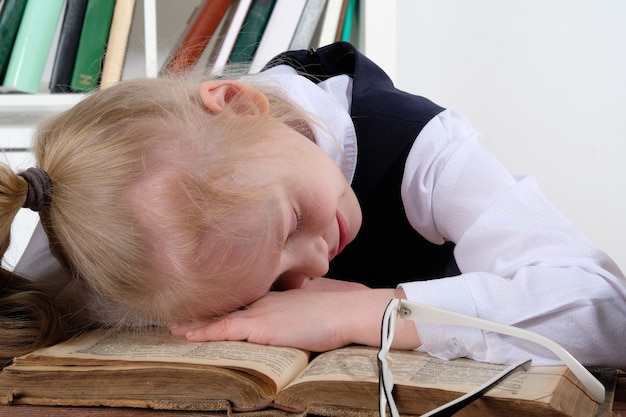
{"x": 297, "y": 223}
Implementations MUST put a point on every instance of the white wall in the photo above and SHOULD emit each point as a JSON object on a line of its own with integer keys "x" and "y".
{"x": 544, "y": 81}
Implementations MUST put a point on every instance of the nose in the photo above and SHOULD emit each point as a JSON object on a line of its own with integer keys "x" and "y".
{"x": 310, "y": 257}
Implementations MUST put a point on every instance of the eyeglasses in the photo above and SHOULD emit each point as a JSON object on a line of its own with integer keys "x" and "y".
{"x": 433, "y": 315}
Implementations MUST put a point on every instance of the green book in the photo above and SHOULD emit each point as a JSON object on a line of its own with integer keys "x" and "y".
{"x": 10, "y": 18}
{"x": 32, "y": 45}
{"x": 92, "y": 45}
{"x": 252, "y": 31}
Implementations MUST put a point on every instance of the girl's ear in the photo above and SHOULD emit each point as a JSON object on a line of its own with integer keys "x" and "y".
{"x": 241, "y": 98}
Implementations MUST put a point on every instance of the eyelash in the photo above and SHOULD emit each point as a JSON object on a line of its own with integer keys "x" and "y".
{"x": 298, "y": 227}
{"x": 298, "y": 221}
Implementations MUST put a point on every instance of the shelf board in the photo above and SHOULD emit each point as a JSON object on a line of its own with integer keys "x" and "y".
{"x": 17, "y": 110}
{"x": 11, "y": 102}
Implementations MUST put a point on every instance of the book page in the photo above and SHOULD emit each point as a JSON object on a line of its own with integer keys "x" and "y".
{"x": 109, "y": 347}
{"x": 359, "y": 363}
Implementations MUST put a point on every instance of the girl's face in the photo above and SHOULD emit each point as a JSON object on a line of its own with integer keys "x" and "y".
{"x": 317, "y": 216}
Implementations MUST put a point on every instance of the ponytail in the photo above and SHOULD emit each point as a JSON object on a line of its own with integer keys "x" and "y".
{"x": 28, "y": 318}
{"x": 13, "y": 191}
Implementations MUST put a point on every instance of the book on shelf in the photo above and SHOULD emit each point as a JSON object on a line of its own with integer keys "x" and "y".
{"x": 342, "y": 19}
{"x": 44, "y": 85}
{"x": 149, "y": 368}
{"x": 32, "y": 45}
{"x": 202, "y": 24}
{"x": 278, "y": 32}
{"x": 344, "y": 30}
{"x": 308, "y": 24}
{"x": 117, "y": 44}
{"x": 10, "y": 18}
{"x": 67, "y": 46}
{"x": 330, "y": 22}
{"x": 233, "y": 25}
{"x": 92, "y": 45}
{"x": 251, "y": 31}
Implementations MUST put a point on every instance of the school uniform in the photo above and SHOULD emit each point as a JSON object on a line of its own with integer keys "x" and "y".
{"x": 387, "y": 249}
{"x": 443, "y": 218}
{"x": 499, "y": 249}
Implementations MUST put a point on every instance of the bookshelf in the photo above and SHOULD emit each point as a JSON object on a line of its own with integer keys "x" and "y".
{"x": 20, "y": 113}
{"x": 378, "y": 42}
{"x": 157, "y": 26}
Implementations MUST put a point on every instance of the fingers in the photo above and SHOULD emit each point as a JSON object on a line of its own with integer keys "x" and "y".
{"x": 302, "y": 318}
{"x": 224, "y": 329}
{"x": 181, "y": 329}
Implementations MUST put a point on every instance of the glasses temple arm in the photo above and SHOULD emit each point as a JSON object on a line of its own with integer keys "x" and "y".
{"x": 433, "y": 315}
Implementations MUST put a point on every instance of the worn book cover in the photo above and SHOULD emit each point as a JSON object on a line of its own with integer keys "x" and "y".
{"x": 67, "y": 46}
{"x": 94, "y": 36}
{"x": 149, "y": 368}
{"x": 202, "y": 25}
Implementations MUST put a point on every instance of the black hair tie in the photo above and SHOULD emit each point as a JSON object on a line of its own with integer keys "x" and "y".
{"x": 39, "y": 189}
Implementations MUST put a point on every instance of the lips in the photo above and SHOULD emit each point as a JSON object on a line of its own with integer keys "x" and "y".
{"x": 343, "y": 233}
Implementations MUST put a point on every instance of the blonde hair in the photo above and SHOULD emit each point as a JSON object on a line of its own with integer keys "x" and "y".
{"x": 28, "y": 318}
{"x": 95, "y": 155}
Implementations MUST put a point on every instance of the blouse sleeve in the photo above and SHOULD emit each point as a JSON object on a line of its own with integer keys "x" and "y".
{"x": 522, "y": 262}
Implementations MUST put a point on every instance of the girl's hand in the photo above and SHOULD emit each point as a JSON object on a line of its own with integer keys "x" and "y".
{"x": 309, "y": 319}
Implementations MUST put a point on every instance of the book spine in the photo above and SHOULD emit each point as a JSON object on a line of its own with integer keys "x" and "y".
{"x": 342, "y": 20}
{"x": 196, "y": 38}
{"x": 278, "y": 33}
{"x": 230, "y": 36}
{"x": 67, "y": 46}
{"x": 93, "y": 39}
{"x": 10, "y": 18}
{"x": 346, "y": 31}
{"x": 330, "y": 22}
{"x": 308, "y": 24}
{"x": 118, "y": 42}
{"x": 251, "y": 31}
{"x": 32, "y": 45}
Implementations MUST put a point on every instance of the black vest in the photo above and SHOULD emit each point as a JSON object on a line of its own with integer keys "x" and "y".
{"x": 387, "y": 249}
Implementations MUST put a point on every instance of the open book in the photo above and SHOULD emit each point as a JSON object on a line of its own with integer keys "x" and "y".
{"x": 149, "y": 368}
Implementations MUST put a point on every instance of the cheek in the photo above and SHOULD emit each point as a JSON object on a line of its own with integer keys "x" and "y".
{"x": 248, "y": 294}
{"x": 231, "y": 299}
{"x": 255, "y": 285}
{"x": 238, "y": 274}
